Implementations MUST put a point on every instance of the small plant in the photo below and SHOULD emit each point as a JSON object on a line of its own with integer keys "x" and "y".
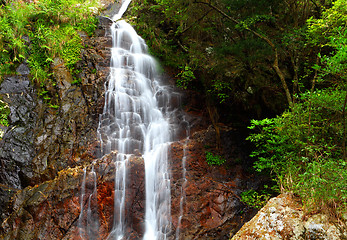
{"x": 54, "y": 106}
{"x": 4, "y": 112}
{"x": 212, "y": 159}
{"x": 77, "y": 81}
{"x": 185, "y": 77}
{"x": 254, "y": 199}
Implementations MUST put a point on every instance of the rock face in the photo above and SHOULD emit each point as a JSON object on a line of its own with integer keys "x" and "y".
{"x": 211, "y": 206}
{"x": 42, "y": 141}
{"x": 283, "y": 218}
{"x": 16, "y": 148}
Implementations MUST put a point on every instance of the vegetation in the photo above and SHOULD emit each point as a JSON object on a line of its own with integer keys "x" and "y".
{"x": 305, "y": 147}
{"x": 38, "y": 32}
{"x": 4, "y": 112}
{"x": 213, "y": 159}
{"x": 254, "y": 199}
{"x": 282, "y": 63}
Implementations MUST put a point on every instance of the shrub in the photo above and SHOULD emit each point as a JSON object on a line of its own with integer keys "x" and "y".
{"x": 213, "y": 159}
{"x": 254, "y": 199}
{"x": 4, "y": 112}
{"x": 302, "y": 148}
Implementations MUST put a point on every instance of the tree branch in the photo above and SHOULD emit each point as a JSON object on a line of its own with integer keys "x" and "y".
{"x": 268, "y": 41}
{"x": 202, "y": 17}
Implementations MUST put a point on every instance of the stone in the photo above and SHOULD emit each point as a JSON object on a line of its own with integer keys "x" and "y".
{"x": 23, "y": 69}
{"x": 283, "y": 218}
{"x": 14, "y": 84}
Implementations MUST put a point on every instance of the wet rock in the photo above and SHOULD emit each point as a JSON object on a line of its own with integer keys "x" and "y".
{"x": 16, "y": 147}
{"x": 42, "y": 141}
{"x": 23, "y": 69}
{"x": 14, "y": 84}
{"x": 211, "y": 206}
{"x": 45, "y": 211}
{"x": 283, "y": 218}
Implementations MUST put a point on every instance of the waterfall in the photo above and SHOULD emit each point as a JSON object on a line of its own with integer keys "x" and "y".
{"x": 136, "y": 120}
{"x": 184, "y": 183}
{"x": 88, "y": 229}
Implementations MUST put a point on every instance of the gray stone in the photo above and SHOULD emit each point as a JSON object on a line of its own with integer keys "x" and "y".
{"x": 23, "y": 69}
{"x": 14, "y": 84}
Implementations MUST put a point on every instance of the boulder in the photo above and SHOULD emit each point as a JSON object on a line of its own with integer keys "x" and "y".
{"x": 283, "y": 218}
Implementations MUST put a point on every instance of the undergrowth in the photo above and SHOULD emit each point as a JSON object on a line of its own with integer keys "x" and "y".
{"x": 42, "y": 31}
{"x": 303, "y": 150}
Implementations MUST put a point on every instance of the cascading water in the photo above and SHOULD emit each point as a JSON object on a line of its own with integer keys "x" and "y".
{"x": 184, "y": 183}
{"x": 89, "y": 227}
{"x": 136, "y": 119}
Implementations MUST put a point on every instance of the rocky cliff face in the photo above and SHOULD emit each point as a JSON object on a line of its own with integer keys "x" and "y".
{"x": 51, "y": 209}
{"x": 283, "y": 218}
{"x": 41, "y": 141}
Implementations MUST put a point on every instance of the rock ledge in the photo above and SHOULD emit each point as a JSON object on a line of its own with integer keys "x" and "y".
{"x": 283, "y": 218}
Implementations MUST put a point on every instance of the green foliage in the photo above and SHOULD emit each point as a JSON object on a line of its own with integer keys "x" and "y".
{"x": 255, "y": 7}
{"x": 51, "y": 26}
{"x": 303, "y": 148}
{"x": 329, "y": 33}
{"x": 254, "y": 199}
{"x": 337, "y": 63}
{"x": 322, "y": 29}
{"x": 221, "y": 89}
{"x": 13, "y": 20}
{"x": 40, "y": 32}
{"x": 185, "y": 77}
{"x": 213, "y": 159}
{"x": 71, "y": 50}
{"x": 77, "y": 81}
{"x": 252, "y": 21}
{"x": 160, "y": 19}
{"x": 4, "y": 112}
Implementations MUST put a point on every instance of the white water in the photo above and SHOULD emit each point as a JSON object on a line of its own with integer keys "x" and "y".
{"x": 135, "y": 120}
{"x": 88, "y": 224}
{"x": 121, "y": 11}
{"x": 184, "y": 183}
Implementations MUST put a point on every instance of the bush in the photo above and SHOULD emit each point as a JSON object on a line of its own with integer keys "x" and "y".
{"x": 213, "y": 159}
{"x": 303, "y": 149}
{"x": 254, "y": 199}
